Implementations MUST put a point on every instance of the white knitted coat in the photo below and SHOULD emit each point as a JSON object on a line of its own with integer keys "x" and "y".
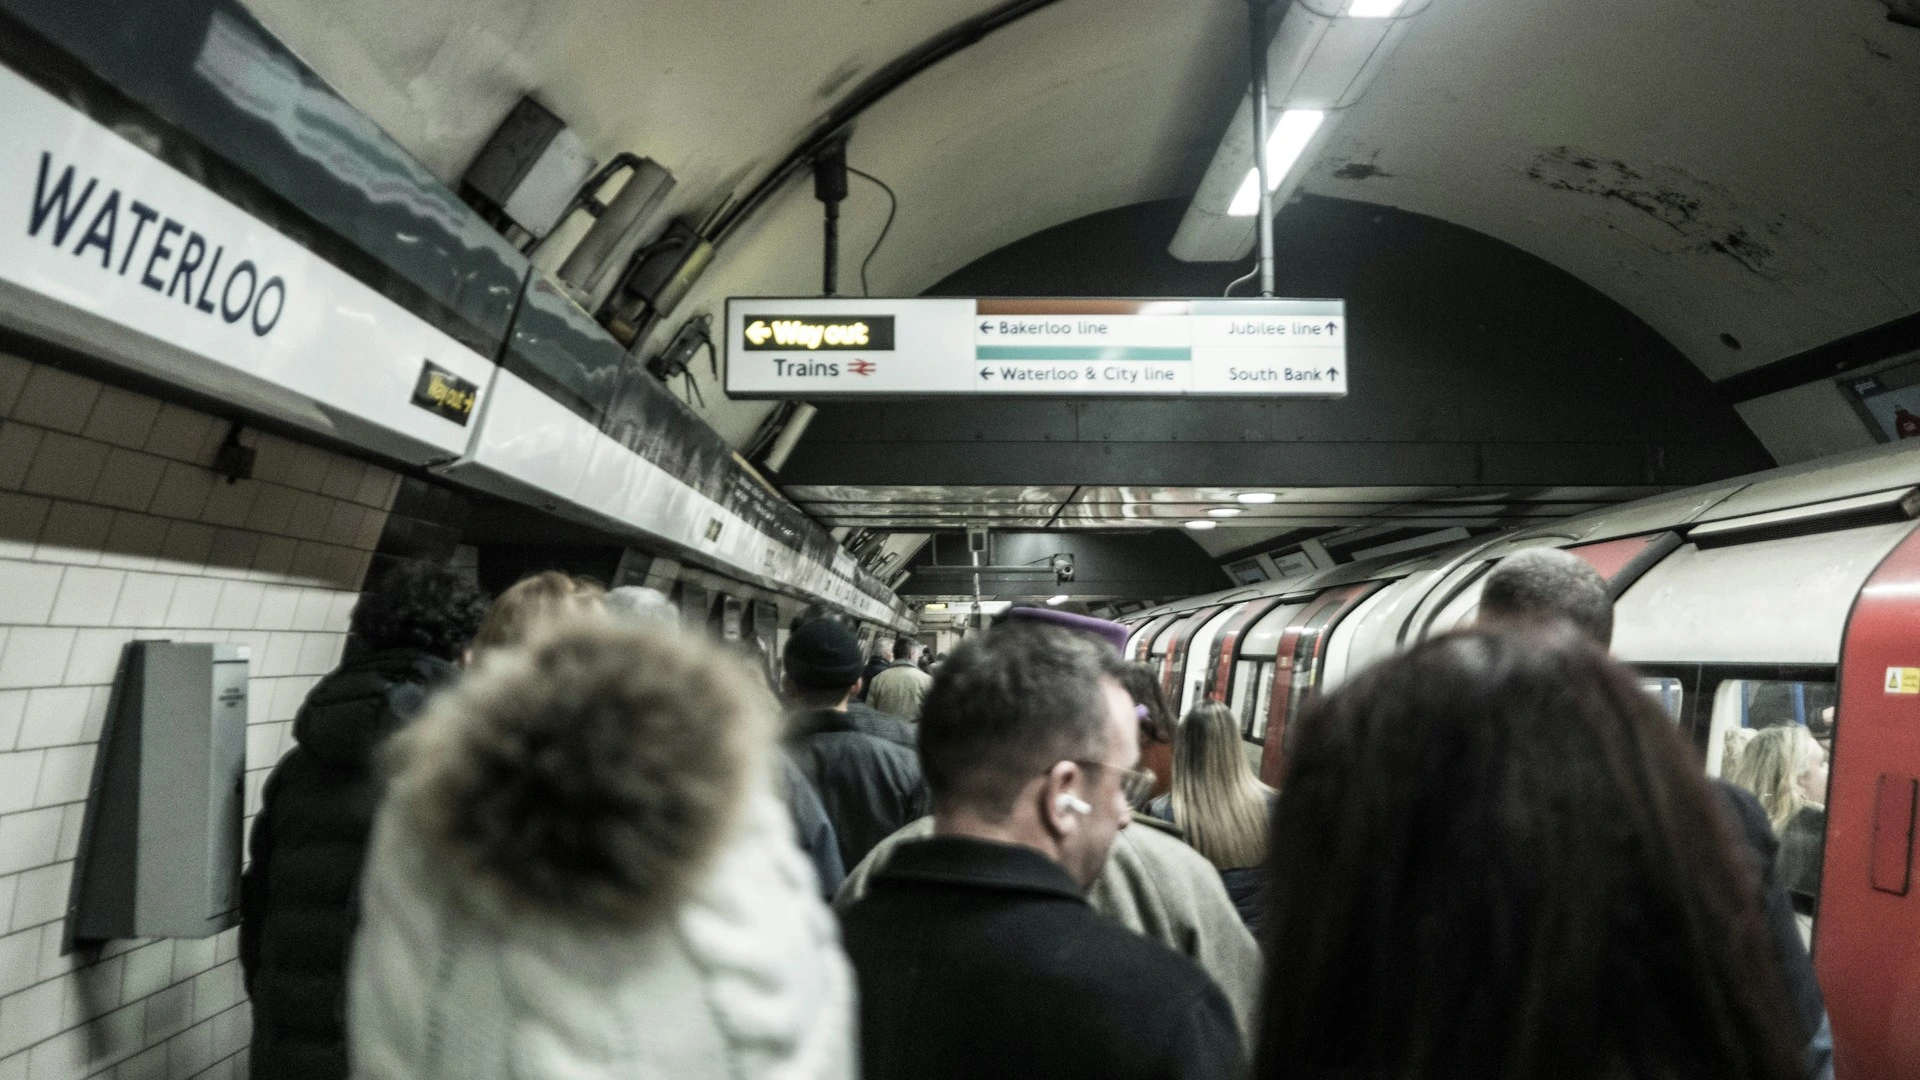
{"x": 744, "y": 979}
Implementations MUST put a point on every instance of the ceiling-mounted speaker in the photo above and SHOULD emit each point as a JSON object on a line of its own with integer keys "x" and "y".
{"x": 656, "y": 279}
{"x": 592, "y": 270}
{"x": 783, "y": 447}
{"x": 527, "y": 174}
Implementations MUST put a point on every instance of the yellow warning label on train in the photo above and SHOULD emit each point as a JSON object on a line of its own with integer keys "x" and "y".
{"x": 1903, "y": 680}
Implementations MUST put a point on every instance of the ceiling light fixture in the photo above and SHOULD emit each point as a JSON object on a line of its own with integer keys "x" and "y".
{"x": 1225, "y": 511}
{"x": 1322, "y": 59}
{"x": 1058, "y": 600}
{"x": 1257, "y": 498}
{"x": 1202, "y": 524}
{"x": 1290, "y": 139}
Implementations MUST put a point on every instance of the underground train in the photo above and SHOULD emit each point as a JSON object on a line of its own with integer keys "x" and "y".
{"x": 1782, "y": 593}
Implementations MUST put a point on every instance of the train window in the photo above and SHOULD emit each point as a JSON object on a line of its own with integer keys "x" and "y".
{"x": 1774, "y": 737}
{"x": 1745, "y": 706}
{"x": 1245, "y": 674}
{"x": 1668, "y": 692}
{"x": 1256, "y": 719}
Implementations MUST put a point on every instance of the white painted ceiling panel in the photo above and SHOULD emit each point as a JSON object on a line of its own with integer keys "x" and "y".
{"x": 1717, "y": 167}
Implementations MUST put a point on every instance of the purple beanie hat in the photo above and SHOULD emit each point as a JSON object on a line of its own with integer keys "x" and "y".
{"x": 1112, "y": 633}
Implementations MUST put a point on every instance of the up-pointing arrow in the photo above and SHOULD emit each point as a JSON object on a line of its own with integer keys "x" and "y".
{"x": 1333, "y": 327}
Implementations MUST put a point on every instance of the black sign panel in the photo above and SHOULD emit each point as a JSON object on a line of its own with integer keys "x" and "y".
{"x": 443, "y": 393}
{"x": 819, "y": 333}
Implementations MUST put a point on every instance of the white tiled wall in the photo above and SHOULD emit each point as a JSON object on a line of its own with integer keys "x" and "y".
{"x": 113, "y": 528}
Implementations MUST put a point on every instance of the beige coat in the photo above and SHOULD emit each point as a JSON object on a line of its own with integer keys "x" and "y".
{"x": 900, "y": 690}
{"x": 1155, "y": 885}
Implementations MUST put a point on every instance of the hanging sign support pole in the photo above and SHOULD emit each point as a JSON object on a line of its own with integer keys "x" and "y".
{"x": 1257, "y": 49}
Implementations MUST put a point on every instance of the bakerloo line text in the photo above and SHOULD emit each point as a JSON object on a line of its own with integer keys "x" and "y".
{"x": 174, "y": 261}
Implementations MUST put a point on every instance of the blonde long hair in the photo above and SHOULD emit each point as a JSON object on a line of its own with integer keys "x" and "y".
{"x": 1217, "y": 801}
{"x": 1770, "y": 765}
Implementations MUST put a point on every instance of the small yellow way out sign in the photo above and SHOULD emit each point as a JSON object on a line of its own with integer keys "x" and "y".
{"x": 812, "y": 333}
{"x": 1903, "y": 680}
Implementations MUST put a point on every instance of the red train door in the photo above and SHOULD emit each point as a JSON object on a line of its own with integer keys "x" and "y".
{"x": 1296, "y": 671}
{"x": 1226, "y": 647}
{"x": 1175, "y": 665}
{"x": 1143, "y": 645}
{"x": 1867, "y": 937}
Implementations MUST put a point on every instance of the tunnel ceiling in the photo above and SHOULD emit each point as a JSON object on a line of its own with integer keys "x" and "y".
{"x": 1356, "y": 511}
{"x": 1747, "y": 169}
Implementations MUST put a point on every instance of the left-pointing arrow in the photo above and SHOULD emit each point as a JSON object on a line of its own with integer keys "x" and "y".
{"x": 986, "y": 373}
{"x": 758, "y": 332}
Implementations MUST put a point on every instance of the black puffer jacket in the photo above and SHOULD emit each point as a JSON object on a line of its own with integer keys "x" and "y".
{"x": 299, "y": 898}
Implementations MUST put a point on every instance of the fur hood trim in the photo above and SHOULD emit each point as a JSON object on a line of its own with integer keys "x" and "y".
{"x": 590, "y": 776}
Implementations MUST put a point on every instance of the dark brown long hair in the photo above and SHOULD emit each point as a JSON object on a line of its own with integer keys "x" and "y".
{"x": 1494, "y": 857}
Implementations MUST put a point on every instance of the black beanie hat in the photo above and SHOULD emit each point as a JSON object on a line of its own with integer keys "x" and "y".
{"x": 824, "y": 655}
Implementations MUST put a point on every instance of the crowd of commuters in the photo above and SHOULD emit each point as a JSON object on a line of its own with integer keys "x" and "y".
{"x": 562, "y": 836}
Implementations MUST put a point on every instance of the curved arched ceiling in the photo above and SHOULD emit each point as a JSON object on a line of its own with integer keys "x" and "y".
{"x": 1749, "y": 169}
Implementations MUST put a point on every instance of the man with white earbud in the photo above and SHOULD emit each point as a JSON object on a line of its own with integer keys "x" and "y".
{"x": 976, "y": 951}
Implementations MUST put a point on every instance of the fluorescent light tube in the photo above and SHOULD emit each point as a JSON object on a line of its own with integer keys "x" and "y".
{"x": 1202, "y": 524}
{"x": 1284, "y": 147}
{"x": 1375, "y": 9}
{"x": 1257, "y": 498}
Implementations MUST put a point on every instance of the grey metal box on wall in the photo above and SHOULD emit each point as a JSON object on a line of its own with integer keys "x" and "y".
{"x": 160, "y": 849}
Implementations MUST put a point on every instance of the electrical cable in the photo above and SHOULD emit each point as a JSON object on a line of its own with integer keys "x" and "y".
{"x": 893, "y": 207}
{"x": 1248, "y": 276}
{"x": 875, "y": 87}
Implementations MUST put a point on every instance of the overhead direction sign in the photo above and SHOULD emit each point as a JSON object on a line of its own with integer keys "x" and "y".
{"x": 843, "y": 347}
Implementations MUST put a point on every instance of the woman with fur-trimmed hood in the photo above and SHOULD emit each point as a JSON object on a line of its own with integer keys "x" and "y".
{"x": 582, "y": 871}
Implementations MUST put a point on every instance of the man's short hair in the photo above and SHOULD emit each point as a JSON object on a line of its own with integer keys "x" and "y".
{"x": 1007, "y": 705}
{"x": 906, "y": 648}
{"x": 1547, "y": 583}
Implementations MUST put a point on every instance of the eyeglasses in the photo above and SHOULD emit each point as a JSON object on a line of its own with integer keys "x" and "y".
{"x": 1135, "y": 784}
